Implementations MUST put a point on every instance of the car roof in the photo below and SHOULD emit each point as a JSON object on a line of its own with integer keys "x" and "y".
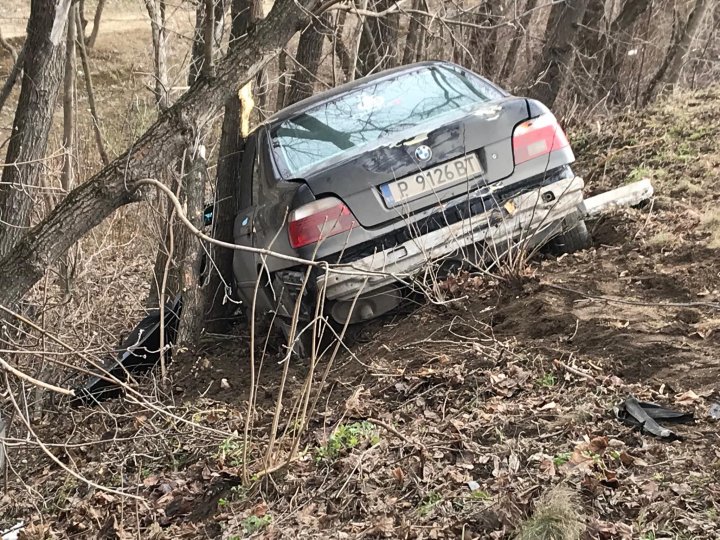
{"x": 322, "y": 97}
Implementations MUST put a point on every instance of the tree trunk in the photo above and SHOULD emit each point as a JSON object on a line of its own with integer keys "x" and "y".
{"x": 119, "y": 183}
{"x": 379, "y": 40}
{"x": 188, "y": 253}
{"x": 156, "y": 11}
{"x": 15, "y": 73}
{"x": 283, "y": 78}
{"x": 232, "y": 143}
{"x": 415, "y": 35}
{"x": 556, "y": 58}
{"x": 43, "y": 71}
{"x": 66, "y": 179}
{"x": 588, "y": 43}
{"x": 209, "y": 23}
{"x": 669, "y": 72}
{"x": 613, "y": 47}
{"x": 90, "y": 43}
{"x": 9, "y": 48}
{"x": 308, "y": 57}
{"x": 508, "y": 68}
{"x": 91, "y": 94}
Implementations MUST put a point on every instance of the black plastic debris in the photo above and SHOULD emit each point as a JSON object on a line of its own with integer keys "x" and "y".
{"x": 139, "y": 353}
{"x": 646, "y": 415}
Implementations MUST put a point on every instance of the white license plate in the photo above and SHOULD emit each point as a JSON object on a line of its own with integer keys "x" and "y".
{"x": 431, "y": 180}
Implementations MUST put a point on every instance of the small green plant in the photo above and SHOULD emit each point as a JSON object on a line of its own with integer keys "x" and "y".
{"x": 347, "y": 437}
{"x": 561, "y": 459}
{"x": 430, "y": 501}
{"x": 547, "y": 380}
{"x": 480, "y": 495}
{"x": 230, "y": 452}
{"x": 253, "y": 524}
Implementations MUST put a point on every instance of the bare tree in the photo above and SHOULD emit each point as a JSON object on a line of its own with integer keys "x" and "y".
{"x": 121, "y": 182}
{"x": 669, "y": 71}
{"x": 43, "y": 72}
{"x": 308, "y": 57}
{"x": 415, "y": 40}
{"x": 549, "y": 72}
{"x": 209, "y": 24}
{"x": 521, "y": 29}
{"x": 378, "y": 47}
{"x": 612, "y": 48}
{"x": 156, "y": 11}
{"x": 14, "y": 75}
{"x": 92, "y": 38}
{"x": 66, "y": 179}
{"x": 228, "y": 182}
{"x": 90, "y": 92}
{"x": 9, "y": 48}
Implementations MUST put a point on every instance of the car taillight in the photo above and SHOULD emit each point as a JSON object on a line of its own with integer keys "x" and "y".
{"x": 537, "y": 137}
{"x": 317, "y": 220}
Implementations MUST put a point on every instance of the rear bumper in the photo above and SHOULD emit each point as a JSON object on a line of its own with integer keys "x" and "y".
{"x": 525, "y": 219}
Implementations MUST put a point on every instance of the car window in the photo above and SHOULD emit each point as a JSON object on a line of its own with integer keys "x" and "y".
{"x": 363, "y": 116}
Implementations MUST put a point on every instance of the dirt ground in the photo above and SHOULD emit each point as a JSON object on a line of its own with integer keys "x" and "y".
{"x": 448, "y": 420}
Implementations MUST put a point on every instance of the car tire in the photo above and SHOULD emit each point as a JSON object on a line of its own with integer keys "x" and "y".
{"x": 575, "y": 237}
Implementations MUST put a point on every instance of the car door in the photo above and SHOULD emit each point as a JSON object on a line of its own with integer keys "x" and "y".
{"x": 245, "y": 267}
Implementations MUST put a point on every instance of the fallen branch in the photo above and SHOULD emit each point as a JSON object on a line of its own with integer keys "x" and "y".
{"x": 575, "y": 371}
{"x": 47, "y": 386}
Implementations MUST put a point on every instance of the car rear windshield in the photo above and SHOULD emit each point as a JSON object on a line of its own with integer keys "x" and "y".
{"x": 361, "y": 117}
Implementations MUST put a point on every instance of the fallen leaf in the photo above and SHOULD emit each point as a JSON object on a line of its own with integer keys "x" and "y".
{"x": 687, "y": 398}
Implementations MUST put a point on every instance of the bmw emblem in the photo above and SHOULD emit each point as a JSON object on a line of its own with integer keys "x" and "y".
{"x": 423, "y": 152}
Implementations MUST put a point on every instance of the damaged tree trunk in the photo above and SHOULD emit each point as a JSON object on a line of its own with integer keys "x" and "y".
{"x": 232, "y": 142}
{"x": 43, "y": 72}
{"x": 118, "y": 184}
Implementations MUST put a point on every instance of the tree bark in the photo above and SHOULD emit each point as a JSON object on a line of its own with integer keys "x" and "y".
{"x": 309, "y": 54}
{"x": 549, "y": 72}
{"x": 118, "y": 184}
{"x": 43, "y": 71}
{"x": 66, "y": 179}
{"x": 508, "y": 68}
{"x": 188, "y": 253}
{"x": 90, "y": 43}
{"x": 232, "y": 144}
{"x": 156, "y": 11}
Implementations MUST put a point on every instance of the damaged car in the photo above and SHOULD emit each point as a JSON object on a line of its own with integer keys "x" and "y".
{"x": 426, "y": 164}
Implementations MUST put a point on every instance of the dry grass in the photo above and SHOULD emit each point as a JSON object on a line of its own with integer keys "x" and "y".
{"x": 558, "y": 516}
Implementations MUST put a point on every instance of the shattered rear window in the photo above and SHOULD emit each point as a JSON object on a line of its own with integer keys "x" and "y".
{"x": 361, "y": 117}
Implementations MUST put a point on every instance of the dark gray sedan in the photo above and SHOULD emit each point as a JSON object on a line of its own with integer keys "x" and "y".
{"x": 389, "y": 176}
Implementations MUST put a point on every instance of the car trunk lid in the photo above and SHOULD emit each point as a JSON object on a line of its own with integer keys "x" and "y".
{"x": 364, "y": 181}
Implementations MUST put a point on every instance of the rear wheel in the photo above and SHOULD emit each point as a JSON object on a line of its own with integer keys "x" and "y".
{"x": 575, "y": 237}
